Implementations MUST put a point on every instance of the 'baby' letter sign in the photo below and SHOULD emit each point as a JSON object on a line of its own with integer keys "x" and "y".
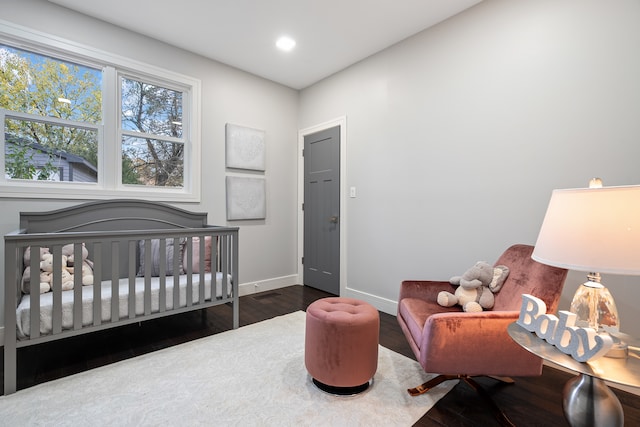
{"x": 583, "y": 344}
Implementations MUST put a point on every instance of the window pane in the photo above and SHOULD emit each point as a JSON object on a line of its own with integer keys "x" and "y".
{"x": 151, "y": 109}
{"x": 37, "y": 84}
{"x": 49, "y": 152}
{"x": 152, "y": 162}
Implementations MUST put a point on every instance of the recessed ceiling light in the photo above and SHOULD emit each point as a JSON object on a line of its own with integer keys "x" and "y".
{"x": 285, "y": 43}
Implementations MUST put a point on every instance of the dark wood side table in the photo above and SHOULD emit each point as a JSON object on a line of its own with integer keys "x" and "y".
{"x": 587, "y": 400}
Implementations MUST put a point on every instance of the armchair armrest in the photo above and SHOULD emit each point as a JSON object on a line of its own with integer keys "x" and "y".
{"x": 451, "y": 340}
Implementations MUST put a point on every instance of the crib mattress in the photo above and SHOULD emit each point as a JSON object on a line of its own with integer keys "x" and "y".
{"x": 23, "y": 312}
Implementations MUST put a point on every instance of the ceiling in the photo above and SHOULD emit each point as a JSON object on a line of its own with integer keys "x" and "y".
{"x": 330, "y": 34}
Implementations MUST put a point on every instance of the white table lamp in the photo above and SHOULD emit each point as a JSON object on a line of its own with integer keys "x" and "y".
{"x": 596, "y": 230}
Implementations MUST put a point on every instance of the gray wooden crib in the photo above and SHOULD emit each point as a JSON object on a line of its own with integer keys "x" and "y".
{"x": 146, "y": 260}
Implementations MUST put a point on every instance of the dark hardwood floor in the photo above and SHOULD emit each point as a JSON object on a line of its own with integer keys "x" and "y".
{"x": 533, "y": 401}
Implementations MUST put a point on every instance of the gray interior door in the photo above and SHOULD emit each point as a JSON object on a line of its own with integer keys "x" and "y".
{"x": 322, "y": 210}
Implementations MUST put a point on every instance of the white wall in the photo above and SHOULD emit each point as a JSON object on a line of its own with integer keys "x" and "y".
{"x": 457, "y": 136}
{"x": 267, "y": 248}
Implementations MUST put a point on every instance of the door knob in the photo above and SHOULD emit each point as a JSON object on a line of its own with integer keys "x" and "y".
{"x": 333, "y": 219}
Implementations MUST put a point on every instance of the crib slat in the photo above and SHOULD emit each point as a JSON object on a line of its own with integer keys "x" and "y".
{"x": 188, "y": 267}
{"x": 34, "y": 297}
{"x": 176, "y": 287}
{"x": 115, "y": 281}
{"x": 176, "y": 270}
{"x": 215, "y": 267}
{"x": 224, "y": 263}
{"x": 216, "y": 255}
{"x": 56, "y": 287}
{"x": 97, "y": 284}
{"x": 203, "y": 273}
{"x": 146, "y": 299}
{"x": 189, "y": 274}
{"x": 77, "y": 287}
{"x": 162, "y": 296}
{"x": 132, "y": 272}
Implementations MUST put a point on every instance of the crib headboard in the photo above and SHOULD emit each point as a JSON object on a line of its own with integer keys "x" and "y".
{"x": 109, "y": 216}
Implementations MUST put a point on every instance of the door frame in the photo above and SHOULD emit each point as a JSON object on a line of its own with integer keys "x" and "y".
{"x": 342, "y": 122}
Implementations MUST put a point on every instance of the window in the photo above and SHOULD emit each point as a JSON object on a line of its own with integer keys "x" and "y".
{"x": 152, "y": 142}
{"x": 53, "y": 111}
{"x": 61, "y": 136}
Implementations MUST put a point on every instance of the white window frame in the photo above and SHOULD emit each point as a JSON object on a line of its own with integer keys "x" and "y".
{"x": 114, "y": 67}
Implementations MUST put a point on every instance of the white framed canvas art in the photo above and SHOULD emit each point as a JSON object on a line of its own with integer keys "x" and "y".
{"x": 245, "y": 147}
{"x": 246, "y": 198}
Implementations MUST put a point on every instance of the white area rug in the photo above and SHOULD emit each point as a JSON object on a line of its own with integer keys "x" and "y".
{"x": 252, "y": 376}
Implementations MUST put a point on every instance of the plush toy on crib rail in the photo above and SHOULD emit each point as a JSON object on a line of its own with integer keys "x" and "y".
{"x": 475, "y": 287}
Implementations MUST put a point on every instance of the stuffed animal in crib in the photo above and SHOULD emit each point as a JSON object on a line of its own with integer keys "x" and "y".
{"x": 86, "y": 264}
{"x": 27, "y": 255}
{"x": 69, "y": 252}
{"x": 476, "y": 287}
{"x": 25, "y": 283}
{"x": 44, "y": 280}
{"x": 67, "y": 269}
{"x": 87, "y": 273}
{"x": 47, "y": 268}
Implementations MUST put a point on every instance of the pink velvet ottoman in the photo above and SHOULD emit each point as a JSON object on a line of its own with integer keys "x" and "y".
{"x": 341, "y": 344}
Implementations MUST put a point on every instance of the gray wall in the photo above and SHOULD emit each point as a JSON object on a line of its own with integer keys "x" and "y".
{"x": 457, "y": 136}
{"x": 267, "y": 248}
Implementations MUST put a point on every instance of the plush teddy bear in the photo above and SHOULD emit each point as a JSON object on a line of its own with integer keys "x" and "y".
{"x": 69, "y": 252}
{"x": 68, "y": 266}
{"x": 46, "y": 267}
{"x": 87, "y": 265}
{"x": 27, "y": 254}
{"x": 475, "y": 287}
{"x": 25, "y": 283}
{"x": 87, "y": 273}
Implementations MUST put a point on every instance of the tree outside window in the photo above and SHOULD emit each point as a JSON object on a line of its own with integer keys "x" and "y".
{"x": 58, "y": 98}
{"x": 152, "y": 140}
{"x": 53, "y": 121}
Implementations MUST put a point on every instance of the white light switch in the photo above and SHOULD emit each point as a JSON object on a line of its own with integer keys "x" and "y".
{"x": 352, "y": 192}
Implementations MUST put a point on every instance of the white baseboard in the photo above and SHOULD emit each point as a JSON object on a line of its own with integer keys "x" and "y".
{"x": 383, "y": 304}
{"x": 267, "y": 285}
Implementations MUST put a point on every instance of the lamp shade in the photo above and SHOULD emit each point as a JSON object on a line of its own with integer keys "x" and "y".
{"x": 593, "y": 230}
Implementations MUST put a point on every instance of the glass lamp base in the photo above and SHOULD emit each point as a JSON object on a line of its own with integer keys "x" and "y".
{"x": 595, "y": 308}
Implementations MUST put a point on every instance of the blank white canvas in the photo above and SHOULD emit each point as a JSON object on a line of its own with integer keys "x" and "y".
{"x": 245, "y": 148}
{"x": 246, "y": 198}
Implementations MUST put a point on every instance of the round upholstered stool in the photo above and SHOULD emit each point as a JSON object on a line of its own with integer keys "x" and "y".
{"x": 341, "y": 344}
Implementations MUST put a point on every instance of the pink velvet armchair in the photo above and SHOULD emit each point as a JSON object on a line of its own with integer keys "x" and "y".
{"x": 459, "y": 345}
